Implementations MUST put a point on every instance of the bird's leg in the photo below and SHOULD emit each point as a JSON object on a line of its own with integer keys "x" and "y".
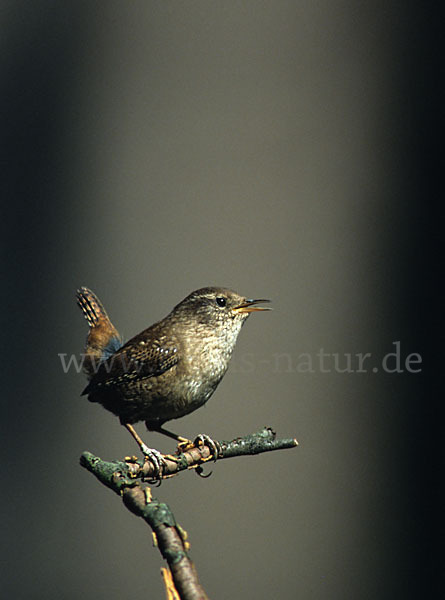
{"x": 173, "y": 436}
{"x": 154, "y": 456}
{"x": 185, "y": 444}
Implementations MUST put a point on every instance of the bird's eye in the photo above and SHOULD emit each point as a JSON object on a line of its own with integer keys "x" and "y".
{"x": 221, "y": 301}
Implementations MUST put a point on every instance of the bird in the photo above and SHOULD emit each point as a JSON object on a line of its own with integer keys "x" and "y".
{"x": 169, "y": 369}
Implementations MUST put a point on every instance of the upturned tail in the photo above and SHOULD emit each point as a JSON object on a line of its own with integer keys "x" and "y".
{"x": 103, "y": 339}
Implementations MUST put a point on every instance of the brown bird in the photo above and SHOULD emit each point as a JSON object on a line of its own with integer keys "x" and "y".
{"x": 168, "y": 370}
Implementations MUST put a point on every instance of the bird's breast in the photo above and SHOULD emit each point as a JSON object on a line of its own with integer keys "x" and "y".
{"x": 202, "y": 366}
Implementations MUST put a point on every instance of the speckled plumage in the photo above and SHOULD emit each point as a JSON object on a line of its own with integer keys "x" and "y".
{"x": 173, "y": 367}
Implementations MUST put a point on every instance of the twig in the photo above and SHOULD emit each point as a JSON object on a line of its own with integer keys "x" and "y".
{"x": 255, "y": 443}
{"x": 129, "y": 479}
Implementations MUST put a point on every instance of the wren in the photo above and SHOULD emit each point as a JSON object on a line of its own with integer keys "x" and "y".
{"x": 168, "y": 370}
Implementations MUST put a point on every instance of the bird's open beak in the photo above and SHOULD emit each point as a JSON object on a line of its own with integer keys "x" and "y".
{"x": 249, "y": 306}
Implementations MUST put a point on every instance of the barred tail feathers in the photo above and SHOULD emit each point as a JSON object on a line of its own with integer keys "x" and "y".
{"x": 91, "y": 307}
{"x": 103, "y": 339}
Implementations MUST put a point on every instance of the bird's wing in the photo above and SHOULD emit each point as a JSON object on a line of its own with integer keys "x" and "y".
{"x": 143, "y": 356}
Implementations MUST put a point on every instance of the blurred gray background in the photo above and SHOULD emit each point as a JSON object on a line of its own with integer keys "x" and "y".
{"x": 281, "y": 149}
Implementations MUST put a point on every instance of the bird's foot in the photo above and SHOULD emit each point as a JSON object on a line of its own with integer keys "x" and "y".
{"x": 157, "y": 460}
{"x": 201, "y": 440}
{"x": 184, "y": 445}
{"x": 205, "y": 440}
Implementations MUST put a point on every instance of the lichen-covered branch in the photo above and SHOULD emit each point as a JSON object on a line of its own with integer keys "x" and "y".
{"x": 129, "y": 478}
{"x": 255, "y": 443}
{"x": 170, "y": 537}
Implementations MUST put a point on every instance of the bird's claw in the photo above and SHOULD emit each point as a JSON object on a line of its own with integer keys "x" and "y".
{"x": 200, "y": 471}
{"x": 157, "y": 460}
{"x": 205, "y": 440}
{"x": 184, "y": 445}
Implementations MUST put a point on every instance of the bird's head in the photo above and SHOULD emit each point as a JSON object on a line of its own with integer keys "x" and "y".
{"x": 214, "y": 305}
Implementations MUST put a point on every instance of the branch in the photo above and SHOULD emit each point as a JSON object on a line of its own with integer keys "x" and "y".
{"x": 255, "y": 443}
{"x": 128, "y": 479}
